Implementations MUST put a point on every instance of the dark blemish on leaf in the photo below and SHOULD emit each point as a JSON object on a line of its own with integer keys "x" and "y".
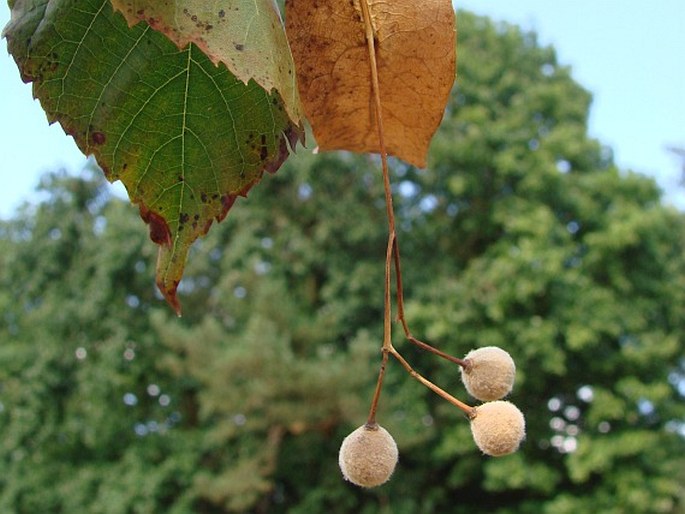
{"x": 181, "y": 178}
{"x": 97, "y": 138}
{"x": 239, "y": 47}
{"x": 227, "y": 202}
{"x": 292, "y": 135}
{"x": 203, "y": 197}
{"x": 159, "y": 229}
{"x": 123, "y": 168}
{"x": 222, "y": 13}
{"x": 264, "y": 152}
{"x": 194, "y": 17}
{"x": 184, "y": 217}
{"x": 215, "y": 196}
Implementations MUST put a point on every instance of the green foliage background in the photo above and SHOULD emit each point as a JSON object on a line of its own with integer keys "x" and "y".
{"x": 521, "y": 233}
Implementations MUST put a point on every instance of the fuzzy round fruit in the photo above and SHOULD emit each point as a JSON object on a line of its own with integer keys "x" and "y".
{"x": 489, "y": 373}
{"x": 368, "y": 456}
{"x": 498, "y": 427}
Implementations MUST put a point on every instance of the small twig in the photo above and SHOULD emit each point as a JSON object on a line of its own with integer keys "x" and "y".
{"x": 401, "y": 318}
{"x": 392, "y": 255}
{"x": 430, "y": 385}
{"x": 439, "y": 353}
{"x": 371, "y": 420}
{"x": 387, "y": 298}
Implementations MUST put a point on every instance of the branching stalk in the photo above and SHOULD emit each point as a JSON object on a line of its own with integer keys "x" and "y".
{"x": 401, "y": 318}
{"x": 430, "y": 385}
{"x": 387, "y": 300}
{"x": 392, "y": 254}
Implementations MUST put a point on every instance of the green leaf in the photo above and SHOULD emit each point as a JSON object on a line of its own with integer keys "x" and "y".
{"x": 245, "y": 35}
{"x": 186, "y": 137}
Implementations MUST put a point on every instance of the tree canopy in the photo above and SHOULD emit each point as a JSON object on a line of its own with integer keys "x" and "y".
{"x": 520, "y": 233}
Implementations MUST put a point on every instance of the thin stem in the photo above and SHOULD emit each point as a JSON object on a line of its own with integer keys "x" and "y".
{"x": 430, "y": 385}
{"x": 387, "y": 299}
{"x": 387, "y": 311}
{"x": 392, "y": 255}
{"x": 371, "y": 44}
{"x": 371, "y": 420}
{"x": 439, "y": 353}
{"x": 400, "y": 289}
{"x": 403, "y": 321}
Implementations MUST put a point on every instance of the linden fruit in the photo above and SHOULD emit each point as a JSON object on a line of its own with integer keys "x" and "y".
{"x": 498, "y": 428}
{"x": 368, "y": 456}
{"x": 489, "y": 373}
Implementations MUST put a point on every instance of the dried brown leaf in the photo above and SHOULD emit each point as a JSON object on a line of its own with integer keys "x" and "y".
{"x": 416, "y": 54}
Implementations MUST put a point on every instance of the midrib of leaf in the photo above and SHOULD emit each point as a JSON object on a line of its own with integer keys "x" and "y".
{"x": 184, "y": 115}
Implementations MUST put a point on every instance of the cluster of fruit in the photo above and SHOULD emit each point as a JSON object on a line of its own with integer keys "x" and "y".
{"x": 368, "y": 455}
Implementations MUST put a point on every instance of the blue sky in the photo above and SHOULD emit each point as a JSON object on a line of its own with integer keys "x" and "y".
{"x": 630, "y": 54}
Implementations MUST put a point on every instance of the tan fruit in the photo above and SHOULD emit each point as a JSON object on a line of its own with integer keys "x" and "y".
{"x": 489, "y": 373}
{"x": 498, "y": 428}
{"x": 368, "y": 456}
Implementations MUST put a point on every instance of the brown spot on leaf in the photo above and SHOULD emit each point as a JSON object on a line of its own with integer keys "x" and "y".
{"x": 159, "y": 229}
{"x": 227, "y": 202}
{"x": 264, "y": 151}
{"x": 292, "y": 134}
{"x": 97, "y": 138}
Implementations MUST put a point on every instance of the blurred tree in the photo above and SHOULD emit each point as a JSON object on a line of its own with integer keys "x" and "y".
{"x": 521, "y": 233}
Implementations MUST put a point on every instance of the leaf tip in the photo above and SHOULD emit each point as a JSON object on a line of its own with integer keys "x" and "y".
{"x": 169, "y": 293}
